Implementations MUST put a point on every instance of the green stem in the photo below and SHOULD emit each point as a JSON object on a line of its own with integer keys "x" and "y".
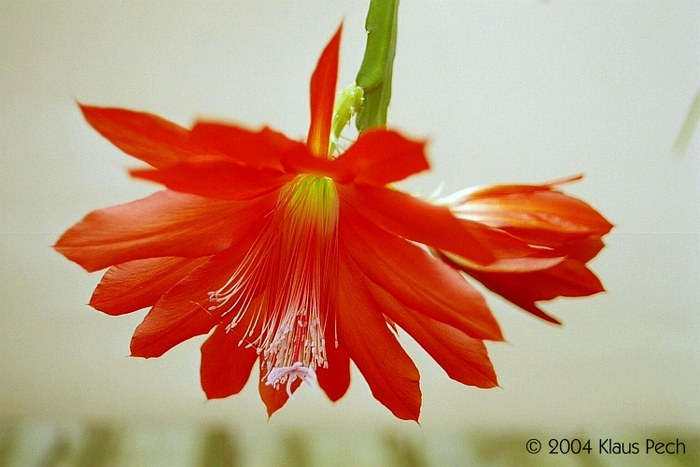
{"x": 375, "y": 72}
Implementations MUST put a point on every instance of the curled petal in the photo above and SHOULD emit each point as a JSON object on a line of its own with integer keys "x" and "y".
{"x": 226, "y": 364}
{"x": 538, "y": 214}
{"x": 435, "y": 226}
{"x": 148, "y": 137}
{"x": 140, "y": 283}
{"x": 505, "y": 190}
{"x": 163, "y": 224}
{"x": 363, "y": 332}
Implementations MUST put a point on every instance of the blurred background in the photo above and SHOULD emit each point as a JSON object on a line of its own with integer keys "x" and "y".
{"x": 525, "y": 91}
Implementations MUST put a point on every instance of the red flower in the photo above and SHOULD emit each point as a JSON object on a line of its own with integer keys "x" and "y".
{"x": 297, "y": 259}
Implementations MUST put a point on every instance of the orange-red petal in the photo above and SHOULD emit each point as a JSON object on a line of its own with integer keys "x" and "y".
{"x": 538, "y": 214}
{"x": 140, "y": 283}
{"x": 415, "y": 278}
{"x": 570, "y": 278}
{"x": 463, "y": 358}
{"x": 263, "y": 149}
{"x": 226, "y": 364}
{"x": 148, "y": 137}
{"x": 363, "y": 333}
{"x": 184, "y": 310}
{"x": 582, "y": 249}
{"x": 379, "y": 157}
{"x": 274, "y": 399}
{"x": 335, "y": 379}
{"x": 323, "y": 84}
{"x": 163, "y": 224}
{"x": 217, "y": 178}
{"x": 165, "y": 327}
{"x": 435, "y": 226}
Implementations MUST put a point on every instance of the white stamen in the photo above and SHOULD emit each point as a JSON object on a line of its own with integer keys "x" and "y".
{"x": 285, "y": 280}
{"x": 278, "y": 376}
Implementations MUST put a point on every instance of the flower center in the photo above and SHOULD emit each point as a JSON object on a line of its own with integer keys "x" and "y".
{"x": 283, "y": 284}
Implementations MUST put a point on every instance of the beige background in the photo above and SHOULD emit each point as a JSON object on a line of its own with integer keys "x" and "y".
{"x": 506, "y": 92}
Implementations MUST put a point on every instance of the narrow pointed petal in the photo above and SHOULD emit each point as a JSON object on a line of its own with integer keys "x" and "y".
{"x": 226, "y": 365}
{"x": 463, "y": 358}
{"x": 140, "y": 283}
{"x": 335, "y": 379}
{"x": 581, "y": 249}
{"x": 435, "y": 226}
{"x": 163, "y": 224}
{"x": 569, "y": 279}
{"x": 508, "y": 189}
{"x": 148, "y": 137}
{"x": 164, "y": 328}
{"x": 217, "y": 179}
{"x": 363, "y": 332}
{"x": 274, "y": 399}
{"x": 185, "y": 311}
{"x": 379, "y": 157}
{"x": 323, "y": 86}
{"x": 415, "y": 278}
{"x": 263, "y": 149}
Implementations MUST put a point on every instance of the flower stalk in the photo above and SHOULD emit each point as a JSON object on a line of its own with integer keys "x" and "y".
{"x": 375, "y": 74}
